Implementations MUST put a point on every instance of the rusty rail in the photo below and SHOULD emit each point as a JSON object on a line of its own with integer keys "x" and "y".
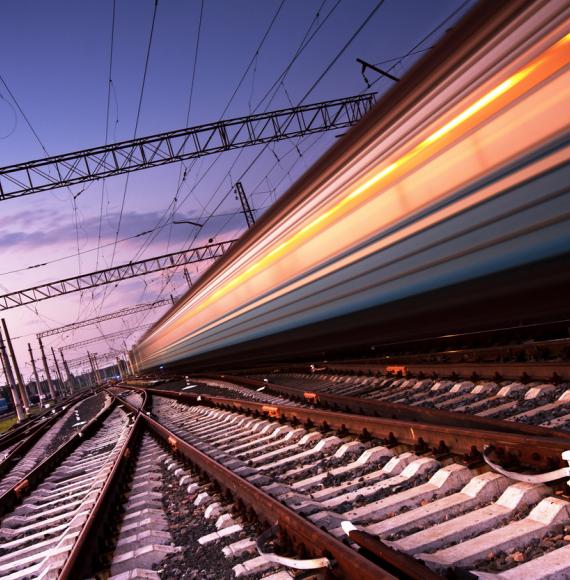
{"x": 415, "y": 570}
{"x": 12, "y": 496}
{"x": 535, "y": 450}
{"x": 18, "y": 432}
{"x": 545, "y": 371}
{"x": 94, "y": 531}
{"x": 375, "y": 408}
{"x": 302, "y": 532}
{"x": 464, "y": 369}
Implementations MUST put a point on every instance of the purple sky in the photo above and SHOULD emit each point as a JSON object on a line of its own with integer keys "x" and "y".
{"x": 55, "y": 60}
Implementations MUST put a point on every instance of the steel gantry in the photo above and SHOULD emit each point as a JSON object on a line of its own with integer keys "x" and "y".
{"x": 82, "y": 361}
{"x": 127, "y": 156}
{"x": 112, "y": 275}
{"x": 104, "y": 317}
{"x": 118, "y": 334}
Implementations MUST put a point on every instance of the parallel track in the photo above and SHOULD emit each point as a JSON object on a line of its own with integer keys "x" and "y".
{"x": 291, "y": 463}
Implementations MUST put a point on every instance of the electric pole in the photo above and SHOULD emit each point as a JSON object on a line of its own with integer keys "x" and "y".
{"x": 97, "y": 369}
{"x": 187, "y": 278}
{"x": 10, "y": 380}
{"x": 51, "y": 388}
{"x": 93, "y": 373}
{"x": 59, "y": 377}
{"x": 36, "y": 378}
{"x": 21, "y": 386}
{"x": 70, "y": 378}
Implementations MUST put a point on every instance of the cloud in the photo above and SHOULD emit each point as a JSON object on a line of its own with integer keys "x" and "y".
{"x": 54, "y": 231}
{"x": 39, "y": 215}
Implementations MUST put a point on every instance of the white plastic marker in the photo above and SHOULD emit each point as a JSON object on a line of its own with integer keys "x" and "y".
{"x": 537, "y": 478}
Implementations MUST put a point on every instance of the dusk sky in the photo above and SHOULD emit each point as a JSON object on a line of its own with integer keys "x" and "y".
{"x": 55, "y": 62}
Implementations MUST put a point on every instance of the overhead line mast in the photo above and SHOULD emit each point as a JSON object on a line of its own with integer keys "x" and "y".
{"x": 246, "y": 207}
{"x": 141, "y": 153}
{"x": 113, "y": 275}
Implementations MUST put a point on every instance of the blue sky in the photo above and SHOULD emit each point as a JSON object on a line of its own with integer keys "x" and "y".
{"x": 54, "y": 57}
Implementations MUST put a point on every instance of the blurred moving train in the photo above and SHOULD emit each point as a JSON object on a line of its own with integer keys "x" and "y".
{"x": 446, "y": 209}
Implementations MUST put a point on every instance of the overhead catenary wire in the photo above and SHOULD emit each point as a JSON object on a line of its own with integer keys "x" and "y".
{"x": 138, "y": 116}
{"x": 137, "y": 120}
{"x": 304, "y": 43}
{"x": 230, "y": 100}
{"x": 44, "y": 149}
{"x": 307, "y": 38}
{"x": 94, "y": 249}
{"x": 109, "y": 85}
{"x": 414, "y": 49}
{"x": 107, "y": 114}
{"x": 183, "y": 169}
{"x": 226, "y": 107}
{"x": 342, "y": 50}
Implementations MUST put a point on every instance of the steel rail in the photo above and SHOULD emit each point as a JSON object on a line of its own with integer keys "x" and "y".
{"x": 414, "y": 365}
{"x": 94, "y": 531}
{"x": 304, "y": 533}
{"x": 12, "y": 496}
{"x": 545, "y": 371}
{"x": 401, "y": 561}
{"x": 23, "y": 430}
{"x": 376, "y": 408}
{"x": 443, "y": 439}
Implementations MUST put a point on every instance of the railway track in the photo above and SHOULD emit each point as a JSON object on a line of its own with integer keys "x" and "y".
{"x": 383, "y": 488}
{"x": 216, "y": 387}
{"x": 23, "y": 458}
{"x": 25, "y": 446}
{"x": 170, "y": 483}
{"x": 535, "y": 403}
{"x": 18, "y": 432}
{"x": 97, "y": 507}
{"x": 43, "y": 513}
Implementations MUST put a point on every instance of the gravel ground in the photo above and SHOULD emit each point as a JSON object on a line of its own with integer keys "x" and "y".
{"x": 200, "y": 389}
{"x": 324, "y": 463}
{"x": 382, "y": 493}
{"x": 87, "y": 409}
{"x": 543, "y": 416}
{"x": 524, "y": 405}
{"x": 187, "y": 524}
{"x": 501, "y": 561}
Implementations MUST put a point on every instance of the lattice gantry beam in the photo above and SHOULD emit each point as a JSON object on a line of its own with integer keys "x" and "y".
{"x": 104, "y": 317}
{"x": 113, "y": 275}
{"x": 111, "y": 336}
{"x": 101, "y": 358}
{"x": 126, "y": 156}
